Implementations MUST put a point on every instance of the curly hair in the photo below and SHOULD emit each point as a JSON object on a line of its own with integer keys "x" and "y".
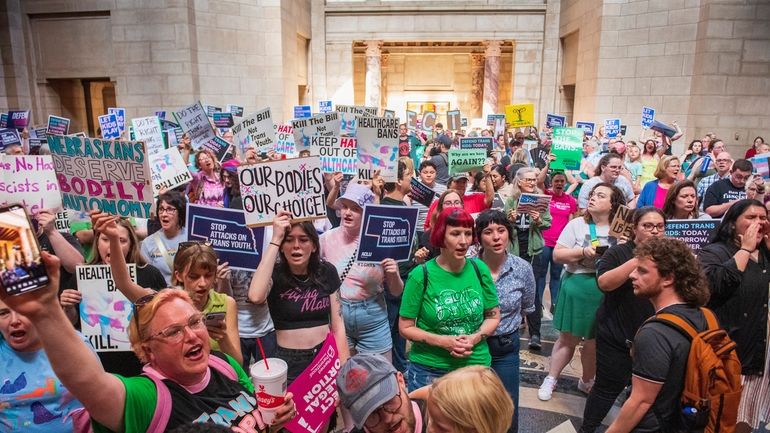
{"x": 674, "y": 258}
{"x": 616, "y": 199}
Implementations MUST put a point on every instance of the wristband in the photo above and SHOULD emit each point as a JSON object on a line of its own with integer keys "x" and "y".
{"x": 744, "y": 249}
{"x": 277, "y": 245}
{"x": 583, "y": 252}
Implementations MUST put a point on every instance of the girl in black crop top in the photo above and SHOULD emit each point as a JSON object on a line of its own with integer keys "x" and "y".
{"x": 302, "y": 292}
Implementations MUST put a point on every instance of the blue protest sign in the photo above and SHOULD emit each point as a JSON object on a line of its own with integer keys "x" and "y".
{"x": 226, "y": 231}
{"x": 161, "y": 114}
{"x": 611, "y": 128}
{"x": 648, "y": 115}
{"x": 3, "y": 120}
{"x": 120, "y": 115}
{"x": 9, "y": 136}
{"x": 18, "y": 119}
{"x": 387, "y": 232}
{"x": 324, "y": 106}
{"x": 694, "y": 232}
{"x": 421, "y": 193}
{"x": 109, "y": 125}
{"x": 58, "y": 125}
{"x": 588, "y": 127}
{"x": 223, "y": 120}
{"x": 485, "y": 143}
{"x": 302, "y": 112}
{"x": 552, "y": 120}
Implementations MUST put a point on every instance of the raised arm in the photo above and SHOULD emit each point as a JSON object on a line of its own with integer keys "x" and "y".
{"x": 261, "y": 281}
{"x": 69, "y": 255}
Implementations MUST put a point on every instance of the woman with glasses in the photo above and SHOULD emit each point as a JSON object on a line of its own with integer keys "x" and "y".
{"x": 160, "y": 247}
{"x": 619, "y": 316}
{"x": 654, "y": 192}
{"x": 195, "y": 270}
{"x": 168, "y": 333}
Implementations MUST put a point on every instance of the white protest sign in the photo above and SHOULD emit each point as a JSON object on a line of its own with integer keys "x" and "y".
{"x": 338, "y": 154}
{"x": 148, "y": 130}
{"x": 193, "y": 120}
{"x": 168, "y": 170}
{"x": 294, "y": 185}
{"x": 105, "y": 313}
{"x": 29, "y": 180}
{"x": 257, "y": 131}
{"x": 377, "y": 147}
{"x": 325, "y": 124}
{"x": 284, "y": 140}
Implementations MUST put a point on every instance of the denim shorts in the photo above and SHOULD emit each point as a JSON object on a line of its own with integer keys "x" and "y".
{"x": 418, "y": 375}
{"x": 366, "y": 325}
{"x": 297, "y": 360}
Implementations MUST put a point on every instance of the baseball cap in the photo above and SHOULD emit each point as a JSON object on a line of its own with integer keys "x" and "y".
{"x": 459, "y": 176}
{"x": 358, "y": 194}
{"x": 366, "y": 382}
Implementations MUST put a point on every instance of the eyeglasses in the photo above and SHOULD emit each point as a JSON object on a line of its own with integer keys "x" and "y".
{"x": 169, "y": 210}
{"x": 452, "y": 203}
{"x": 530, "y": 180}
{"x": 175, "y": 333}
{"x": 391, "y": 406}
{"x": 650, "y": 227}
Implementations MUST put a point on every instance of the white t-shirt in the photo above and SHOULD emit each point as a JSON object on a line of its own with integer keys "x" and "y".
{"x": 621, "y": 182}
{"x": 578, "y": 234}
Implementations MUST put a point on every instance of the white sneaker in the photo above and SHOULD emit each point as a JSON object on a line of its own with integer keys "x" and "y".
{"x": 546, "y": 389}
{"x": 585, "y": 387}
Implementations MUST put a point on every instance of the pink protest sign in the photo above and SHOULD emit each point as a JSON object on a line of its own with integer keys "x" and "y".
{"x": 315, "y": 390}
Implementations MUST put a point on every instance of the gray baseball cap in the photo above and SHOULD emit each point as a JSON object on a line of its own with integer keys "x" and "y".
{"x": 365, "y": 383}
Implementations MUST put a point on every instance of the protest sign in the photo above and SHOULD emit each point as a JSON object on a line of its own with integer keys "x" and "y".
{"x": 530, "y": 202}
{"x": 284, "y": 140}
{"x": 462, "y": 160}
{"x": 453, "y": 120}
{"x": 370, "y": 111}
{"x": 223, "y": 120}
{"x": 668, "y": 131}
{"x": 192, "y": 119}
{"x": 411, "y": 119}
{"x": 338, "y": 154}
{"x": 168, "y": 170}
{"x": 302, "y": 111}
{"x": 120, "y": 116}
{"x": 9, "y": 136}
{"x": 498, "y": 203}
{"x": 567, "y": 145}
{"x": 464, "y": 122}
{"x": 226, "y": 231}
{"x": 648, "y": 115}
{"x": 377, "y": 147}
{"x": 315, "y": 390}
{"x": 320, "y": 125}
{"x": 519, "y": 115}
{"x": 62, "y": 222}
{"x": 390, "y": 114}
{"x": 57, "y": 125}
{"x": 105, "y": 312}
{"x": 761, "y": 166}
{"x": 235, "y": 110}
{"x": 587, "y": 127}
{"x": 485, "y": 143}
{"x": 211, "y": 109}
{"x": 622, "y": 223}
{"x": 112, "y": 175}
{"x": 325, "y": 106}
{"x": 623, "y": 129}
{"x": 554, "y": 120}
{"x": 611, "y": 128}
{"x": 29, "y": 180}
{"x": 428, "y": 120}
{"x": 218, "y": 146}
{"x": 35, "y": 142}
{"x": 349, "y": 115}
{"x": 498, "y": 124}
{"x": 695, "y": 233}
{"x": 148, "y": 130}
{"x": 108, "y": 123}
{"x": 294, "y": 185}
{"x": 160, "y": 115}
{"x": 3, "y": 120}
{"x": 387, "y": 232}
{"x": 257, "y": 131}
{"x": 18, "y": 119}
{"x": 421, "y": 193}
{"x": 40, "y": 132}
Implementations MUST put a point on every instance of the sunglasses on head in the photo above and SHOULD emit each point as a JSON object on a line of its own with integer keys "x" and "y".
{"x": 189, "y": 244}
{"x": 138, "y": 304}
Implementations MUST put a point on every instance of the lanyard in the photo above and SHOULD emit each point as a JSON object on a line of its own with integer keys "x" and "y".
{"x": 594, "y": 239}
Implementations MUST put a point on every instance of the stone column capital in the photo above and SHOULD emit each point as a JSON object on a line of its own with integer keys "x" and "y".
{"x": 373, "y": 48}
{"x": 384, "y": 59}
{"x": 477, "y": 59}
{"x": 493, "y": 48}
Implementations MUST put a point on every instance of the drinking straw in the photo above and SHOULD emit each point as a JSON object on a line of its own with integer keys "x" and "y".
{"x": 262, "y": 351}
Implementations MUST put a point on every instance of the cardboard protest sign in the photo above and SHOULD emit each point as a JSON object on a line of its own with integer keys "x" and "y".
{"x": 112, "y": 175}
{"x": 284, "y": 140}
{"x": 57, "y": 125}
{"x": 192, "y": 119}
{"x": 387, "y": 232}
{"x": 325, "y": 107}
{"x": 530, "y": 202}
{"x": 622, "y": 223}
{"x": 18, "y": 119}
{"x": 486, "y": 143}
{"x": 611, "y": 128}
{"x": 294, "y": 185}
{"x": 105, "y": 312}
{"x": 223, "y": 120}
{"x": 377, "y": 148}
{"x": 648, "y": 115}
{"x": 315, "y": 390}
{"x": 148, "y": 130}
{"x": 567, "y": 145}
{"x": 302, "y": 111}
{"x": 519, "y": 115}
{"x": 428, "y": 120}
{"x": 255, "y": 130}
{"x": 338, "y": 154}
{"x": 695, "y": 232}
{"x": 411, "y": 119}
{"x": 421, "y": 193}
{"x": 235, "y": 110}
{"x": 108, "y": 123}
{"x": 453, "y": 120}
{"x": 462, "y": 160}
{"x": 120, "y": 115}
{"x": 168, "y": 170}
{"x": 587, "y": 127}
{"x": 320, "y": 125}
{"x": 554, "y": 120}
{"x": 29, "y": 180}
{"x": 9, "y": 136}
{"x": 226, "y": 231}
{"x": 3, "y": 120}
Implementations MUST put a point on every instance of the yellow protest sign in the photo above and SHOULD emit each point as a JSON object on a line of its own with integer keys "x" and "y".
{"x": 520, "y": 115}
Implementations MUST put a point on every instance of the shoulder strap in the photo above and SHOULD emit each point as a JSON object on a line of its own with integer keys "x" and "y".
{"x": 677, "y": 322}
{"x": 164, "y": 252}
{"x": 476, "y": 268}
{"x": 222, "y": 366}
{"x": 349, "y": 265}
{"x": 424, "y": 289}
{"x": 162, "y": 411}
{"x": 711, "y": 318}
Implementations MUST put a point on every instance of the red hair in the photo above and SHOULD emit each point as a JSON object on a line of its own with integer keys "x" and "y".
{"x": 451, "y": 217}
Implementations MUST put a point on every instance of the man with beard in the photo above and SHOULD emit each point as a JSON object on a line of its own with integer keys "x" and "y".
{"x": 375, "y": 395}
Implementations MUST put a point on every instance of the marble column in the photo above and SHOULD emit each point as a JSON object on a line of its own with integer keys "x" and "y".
{"x": 477, "y": 84}
{"x": 373, "y": 73}
{"x": 384, "y": 71}
{"x": 491, "y": 75}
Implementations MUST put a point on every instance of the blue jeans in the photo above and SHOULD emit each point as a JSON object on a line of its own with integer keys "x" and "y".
{"x": 418, "y": 375}
{"x": 507, "y": 368}
{"x": 366, "y": 325}
{"x": 540, "y": 266}
{"x": 250, "y": 350}
{"x": 399, "y": 344}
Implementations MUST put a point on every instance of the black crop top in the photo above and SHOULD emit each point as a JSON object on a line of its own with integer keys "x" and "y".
{"x": 295, "y": 304}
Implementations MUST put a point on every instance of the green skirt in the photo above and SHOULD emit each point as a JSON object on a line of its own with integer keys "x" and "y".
{"x": 579, "y": 298}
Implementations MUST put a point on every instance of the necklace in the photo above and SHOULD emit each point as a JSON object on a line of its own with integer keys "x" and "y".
{"x": 307, "y": 278}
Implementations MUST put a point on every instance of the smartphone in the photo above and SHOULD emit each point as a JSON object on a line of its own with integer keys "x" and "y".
{"x": 601, "y": 249}
{"x": 21, "y": 269}
{"x": 214, "y": 318}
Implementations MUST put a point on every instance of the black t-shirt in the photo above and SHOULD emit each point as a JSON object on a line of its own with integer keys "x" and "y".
{"x": 295, "y": 303}
{"x": 621, "y": 313}
{"x": 721, "y": 192}
{"x": 660, "y": 355}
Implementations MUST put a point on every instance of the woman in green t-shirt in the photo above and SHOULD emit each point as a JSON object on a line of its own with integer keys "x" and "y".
{"x": 449, "y": 305}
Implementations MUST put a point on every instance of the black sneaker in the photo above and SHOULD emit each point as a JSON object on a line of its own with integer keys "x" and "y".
{"x": 534, "y": 342}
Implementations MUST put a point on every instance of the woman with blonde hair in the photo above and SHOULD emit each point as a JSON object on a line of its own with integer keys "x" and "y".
{"x": 654, "y": 192}
{"x": 469, "y": 400}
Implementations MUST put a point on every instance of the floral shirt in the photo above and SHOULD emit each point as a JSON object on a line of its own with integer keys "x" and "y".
{"x": 516, "y": 291}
